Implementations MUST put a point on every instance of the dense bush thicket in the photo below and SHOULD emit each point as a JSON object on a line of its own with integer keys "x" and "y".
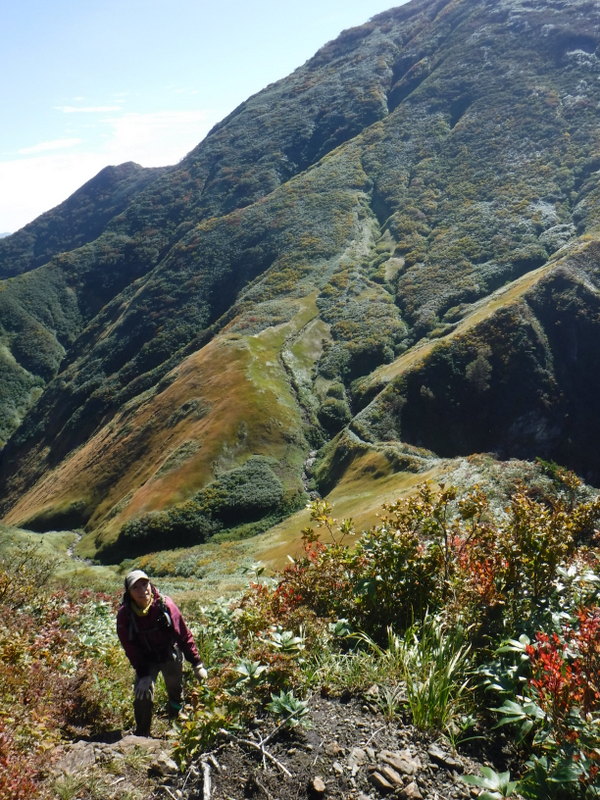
{"x": 464, "y": 615}
{"x": 483, "y": 616}
{"x": 242, "y": 495}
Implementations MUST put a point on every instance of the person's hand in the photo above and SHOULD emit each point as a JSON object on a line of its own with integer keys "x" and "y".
{"x": 200, "y": 672}
{"x": 143, "y": 688}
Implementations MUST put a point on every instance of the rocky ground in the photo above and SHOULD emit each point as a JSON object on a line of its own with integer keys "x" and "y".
{"x": 349, "y": 751}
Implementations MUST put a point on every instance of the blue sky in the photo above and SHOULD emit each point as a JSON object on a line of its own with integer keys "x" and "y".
{"x": 87, "y": 83}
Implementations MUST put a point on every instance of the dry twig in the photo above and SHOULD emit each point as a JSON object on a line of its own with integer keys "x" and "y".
{"x": 206, "y": 782}
{"x": 257, "y": 746}
{"x": 370, "y": 739}
{"x": 214, "y": 762}
{"x": 263, "y": 788}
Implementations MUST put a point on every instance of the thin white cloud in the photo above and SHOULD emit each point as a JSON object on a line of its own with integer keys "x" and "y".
{"x": 157, "y": 138}
{"x": 47, "y": 176}
{"x": 185, "y": 91}
{"x": 44, "y": 147}
{"x": 87, "y": 109}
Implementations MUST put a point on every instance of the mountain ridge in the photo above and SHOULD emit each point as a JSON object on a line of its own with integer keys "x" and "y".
{"x": 361, "y": 211}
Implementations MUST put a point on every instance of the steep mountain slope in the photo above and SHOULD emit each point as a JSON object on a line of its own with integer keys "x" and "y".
{"x": 391, "y": 254}
{"x": 77, "y": 221}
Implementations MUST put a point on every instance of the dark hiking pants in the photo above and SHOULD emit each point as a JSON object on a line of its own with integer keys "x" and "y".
{"x": 172, "y": 672}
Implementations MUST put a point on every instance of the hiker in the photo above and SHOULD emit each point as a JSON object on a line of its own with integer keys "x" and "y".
{"x": 155, "y": 639}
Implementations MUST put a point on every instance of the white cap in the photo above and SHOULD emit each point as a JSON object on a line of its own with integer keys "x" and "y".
{"x": 135, "y": 576}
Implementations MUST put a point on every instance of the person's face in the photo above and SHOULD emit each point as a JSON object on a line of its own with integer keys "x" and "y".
{"x": 141, "y": 593}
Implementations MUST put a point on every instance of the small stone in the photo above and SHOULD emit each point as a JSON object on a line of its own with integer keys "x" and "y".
{"x": 439, "y": 756}
{"x": 338, "y": 767}
{"x": 391, "y": 775}
{"x": 357, "y": 756}
{"x": 357, "y": 759}
{"x": 411, "y": 792}
{"x": 164, "y": 766}
{"x": 381, "y": 782}
{"x": 372, "y": 691}
{"x": 371, "y": 753}
{"x": 333, "y": 749}
{"x": 318, "y": 785}
{"x": 401, "y": 760}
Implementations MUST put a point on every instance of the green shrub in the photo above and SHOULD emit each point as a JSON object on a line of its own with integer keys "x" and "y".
{"x": 182, "y": 526}
{"x": 24, "y": 575}
{"x": 249, "y": 492}
{"x": 337, "y": 390}
{"x": 434, "y": 551}
{"x": 555, "y": 711}
{"x": 334, "y": 414}
{"x": 289, "y": 708}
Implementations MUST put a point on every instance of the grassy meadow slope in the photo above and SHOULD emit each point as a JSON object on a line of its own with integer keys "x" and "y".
{"x": 389, "y": 257}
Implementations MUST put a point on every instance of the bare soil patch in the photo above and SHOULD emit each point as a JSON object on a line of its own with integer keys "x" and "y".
{"x": 349, "y": 751}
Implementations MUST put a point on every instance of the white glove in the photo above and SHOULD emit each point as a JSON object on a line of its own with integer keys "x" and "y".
{"x": 200, "y": 673}
{"x": 144, "y": 688}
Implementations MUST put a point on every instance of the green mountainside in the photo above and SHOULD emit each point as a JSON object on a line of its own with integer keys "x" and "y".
{"x": 384, "y": 261}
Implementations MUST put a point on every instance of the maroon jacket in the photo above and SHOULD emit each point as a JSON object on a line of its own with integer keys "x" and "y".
{"x": 151, "y": 639}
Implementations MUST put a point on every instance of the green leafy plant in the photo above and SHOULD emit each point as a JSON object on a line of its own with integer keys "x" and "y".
{"x": 285, "y": 641}
{"x": 287, "y": 706}
{"x": 558, "y": 710}
{"x": 250, "y": 672}
{"x": 206, "y": 715}
{"x": 340, "y": 629}
{"x": 436, "y": 660}
{"x": 496, "y": 785}
{"x": 390, "y": 700}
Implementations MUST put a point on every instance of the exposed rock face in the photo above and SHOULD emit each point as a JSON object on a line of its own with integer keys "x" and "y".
{"x": 398, "y": 241}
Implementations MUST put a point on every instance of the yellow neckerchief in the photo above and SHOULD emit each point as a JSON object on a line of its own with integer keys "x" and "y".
{"x": 142, "y": 612}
